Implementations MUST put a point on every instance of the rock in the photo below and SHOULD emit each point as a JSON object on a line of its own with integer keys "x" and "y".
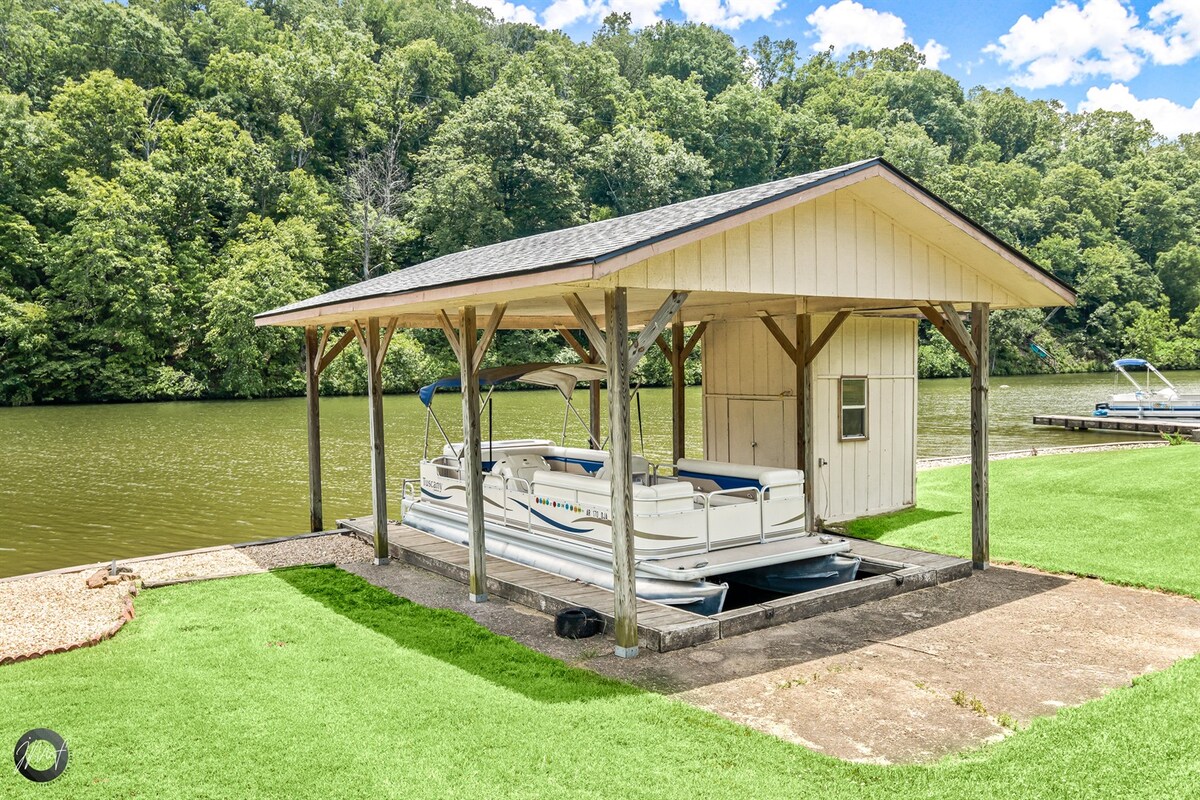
{"x": 98, "y": 578}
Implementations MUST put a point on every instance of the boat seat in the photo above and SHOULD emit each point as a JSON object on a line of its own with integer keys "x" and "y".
{"x": 519, "y": 465}
{"x": 587, "y": 489}
{"x": 640, "y": 467}
{"x": 782, "y": 482}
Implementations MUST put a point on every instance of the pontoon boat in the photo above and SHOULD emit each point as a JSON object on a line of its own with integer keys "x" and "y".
{"x": 698, "y": 525}
{"x": 1147, "y": 400}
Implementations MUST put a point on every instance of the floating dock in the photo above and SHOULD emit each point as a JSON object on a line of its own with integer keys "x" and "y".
{"x": 889, "y": 571}
{"x": 1148, "y": 426}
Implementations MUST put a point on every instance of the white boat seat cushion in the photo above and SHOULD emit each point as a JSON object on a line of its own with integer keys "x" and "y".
{"x": 765, "y": 476}
{"x": 640, "y": 467}
{"x": 523, "y": 466}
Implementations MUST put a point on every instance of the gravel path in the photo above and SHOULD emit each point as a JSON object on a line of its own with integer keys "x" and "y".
{"x": 951, "y": 461}
{"x": 51, "y": 613}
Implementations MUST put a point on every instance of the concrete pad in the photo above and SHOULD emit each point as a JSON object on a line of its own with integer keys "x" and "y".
{"x": 906, "y": 679}
{"x": 933, "y": 690}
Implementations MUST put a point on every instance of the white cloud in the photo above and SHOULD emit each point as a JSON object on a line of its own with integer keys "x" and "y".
{"x": 1169, "y": 118}
{"x": 719, "y": 13}
{"x": 728, "y": 13}
{"x": 510, "y": 12}
{"x": 849, "y": 25}
{"x": 562, "y": 13}
{"x": 1179, "y": 21}
{"x": 1072, "y": 42}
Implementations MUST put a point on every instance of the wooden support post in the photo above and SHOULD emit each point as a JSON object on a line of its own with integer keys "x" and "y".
{"x": 678, "y": 400}
{"x": 979, "y": 436}
{"x": 621, "y": 471}
{"x": 805, "y": 455}
{"x": 372, "y": 353}
{"x": 472, "y": 455}
{"x": 312, "y": 387}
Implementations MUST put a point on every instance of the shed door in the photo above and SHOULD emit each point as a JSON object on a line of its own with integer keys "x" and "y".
{"x": 756, "y": 432}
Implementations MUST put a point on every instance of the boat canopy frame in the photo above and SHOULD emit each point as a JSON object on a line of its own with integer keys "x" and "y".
{"x": 1122, "y": 365}
{"x": 564, "y": 378}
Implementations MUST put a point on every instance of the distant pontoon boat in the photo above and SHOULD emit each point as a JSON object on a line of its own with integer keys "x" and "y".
{"x": 1148, "y": 399}
{"x": 698, "y": 525}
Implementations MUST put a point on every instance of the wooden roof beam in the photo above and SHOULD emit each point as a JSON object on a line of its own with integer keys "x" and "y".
{"x": 779, "y": 335}
{"x": 588, "y": 323}
{"x": 819, "y": 343}
{"x": 654, "y": 328}
{"x": 951, "y": 326}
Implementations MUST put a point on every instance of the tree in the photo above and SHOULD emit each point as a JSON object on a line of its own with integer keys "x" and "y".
{"x": 375, "y": 189}
{"x": 634, "y": 169}
{"x": 1179, "y": 271}
{"x": 268, "y": 266}
{"x": 101, "y": 121}
{"x": 112, "y": 287}
{"x": 502, "y": 166}
{"x": 681, "y": 50}
{"x": 746, "y": 126}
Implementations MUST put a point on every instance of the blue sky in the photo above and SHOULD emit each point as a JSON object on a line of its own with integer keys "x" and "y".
{"x": 1141, "y": 56}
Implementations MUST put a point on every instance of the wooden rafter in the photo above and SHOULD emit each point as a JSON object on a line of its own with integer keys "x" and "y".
{"x": 575, "y": 344}
{"x": 387, "y": 340}
{"x": 488, "y": 333}
{"x": 779, "y": 335}
{"x": 962, "y": 343}
{"x": 451, "y": 334}
{"x": 696, "y": 336}
{"x": 823, "y": 339}
{"x": 315, "y": 352}
{"x": 664, "y": 346}
{"x": 657, "y": 324}
{"x": 590, "y": 328}
{"x": 329, "y": 355}
{"x": 359, "y": 329}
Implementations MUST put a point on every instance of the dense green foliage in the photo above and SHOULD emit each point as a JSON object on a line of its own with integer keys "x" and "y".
{"x": 167, "y": 170}
{"x": 1061, "y": 513}
{"x": 248, "y": 688}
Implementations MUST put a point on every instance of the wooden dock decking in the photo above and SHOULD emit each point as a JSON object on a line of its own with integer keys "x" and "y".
{"x": 662, "y": 627}
{"x": 1120, "y": 424}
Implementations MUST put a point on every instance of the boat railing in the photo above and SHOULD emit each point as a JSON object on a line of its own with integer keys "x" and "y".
{"x": 410, "y": 490}
{"x": 706, "y": 500}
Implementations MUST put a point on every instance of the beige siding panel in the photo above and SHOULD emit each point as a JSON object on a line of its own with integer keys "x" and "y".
{"x": 763, "y": 266}
{"x": 737, "y": 259}
{"x": 867, "y": 477}
{"x": 712, "y": 263}
{"x": 845, "y": 264}
{"x": 826, "y": 241}
{"x": 806, "y": 242}
{"x": 885, "y": 256}
{"x": 903, "y": 271}
{"x": 832, "y": 246}
{"x": 867, "y": 267}
{"x": 687, "y": 265}
{"x": 783, "y": 244}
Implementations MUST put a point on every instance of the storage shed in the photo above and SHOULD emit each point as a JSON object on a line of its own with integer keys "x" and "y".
{"x": 806, "y": 292}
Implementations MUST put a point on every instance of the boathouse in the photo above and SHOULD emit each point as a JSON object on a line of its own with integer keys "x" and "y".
{"x": 806, "y": 292}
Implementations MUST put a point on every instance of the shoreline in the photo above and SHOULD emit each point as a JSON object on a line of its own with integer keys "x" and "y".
{"x": 954, "y": 461}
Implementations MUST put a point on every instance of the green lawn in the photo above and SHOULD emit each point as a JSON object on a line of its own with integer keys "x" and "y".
{"x": 1129, "y": 516}
{"x": 312, "y": 683}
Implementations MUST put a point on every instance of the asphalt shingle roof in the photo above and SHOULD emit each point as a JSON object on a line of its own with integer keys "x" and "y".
{"x": 590, "y": 243}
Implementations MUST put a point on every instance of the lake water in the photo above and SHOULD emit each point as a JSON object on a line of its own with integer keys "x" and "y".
{"x": 89, "y": 483}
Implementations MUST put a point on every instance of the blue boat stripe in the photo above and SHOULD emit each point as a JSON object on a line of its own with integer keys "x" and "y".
{"x": 724, "y": 481}
{"x": 589, "y": 465}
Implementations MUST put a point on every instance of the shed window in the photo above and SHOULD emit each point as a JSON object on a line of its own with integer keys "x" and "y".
{"x": 854, "y": 408}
